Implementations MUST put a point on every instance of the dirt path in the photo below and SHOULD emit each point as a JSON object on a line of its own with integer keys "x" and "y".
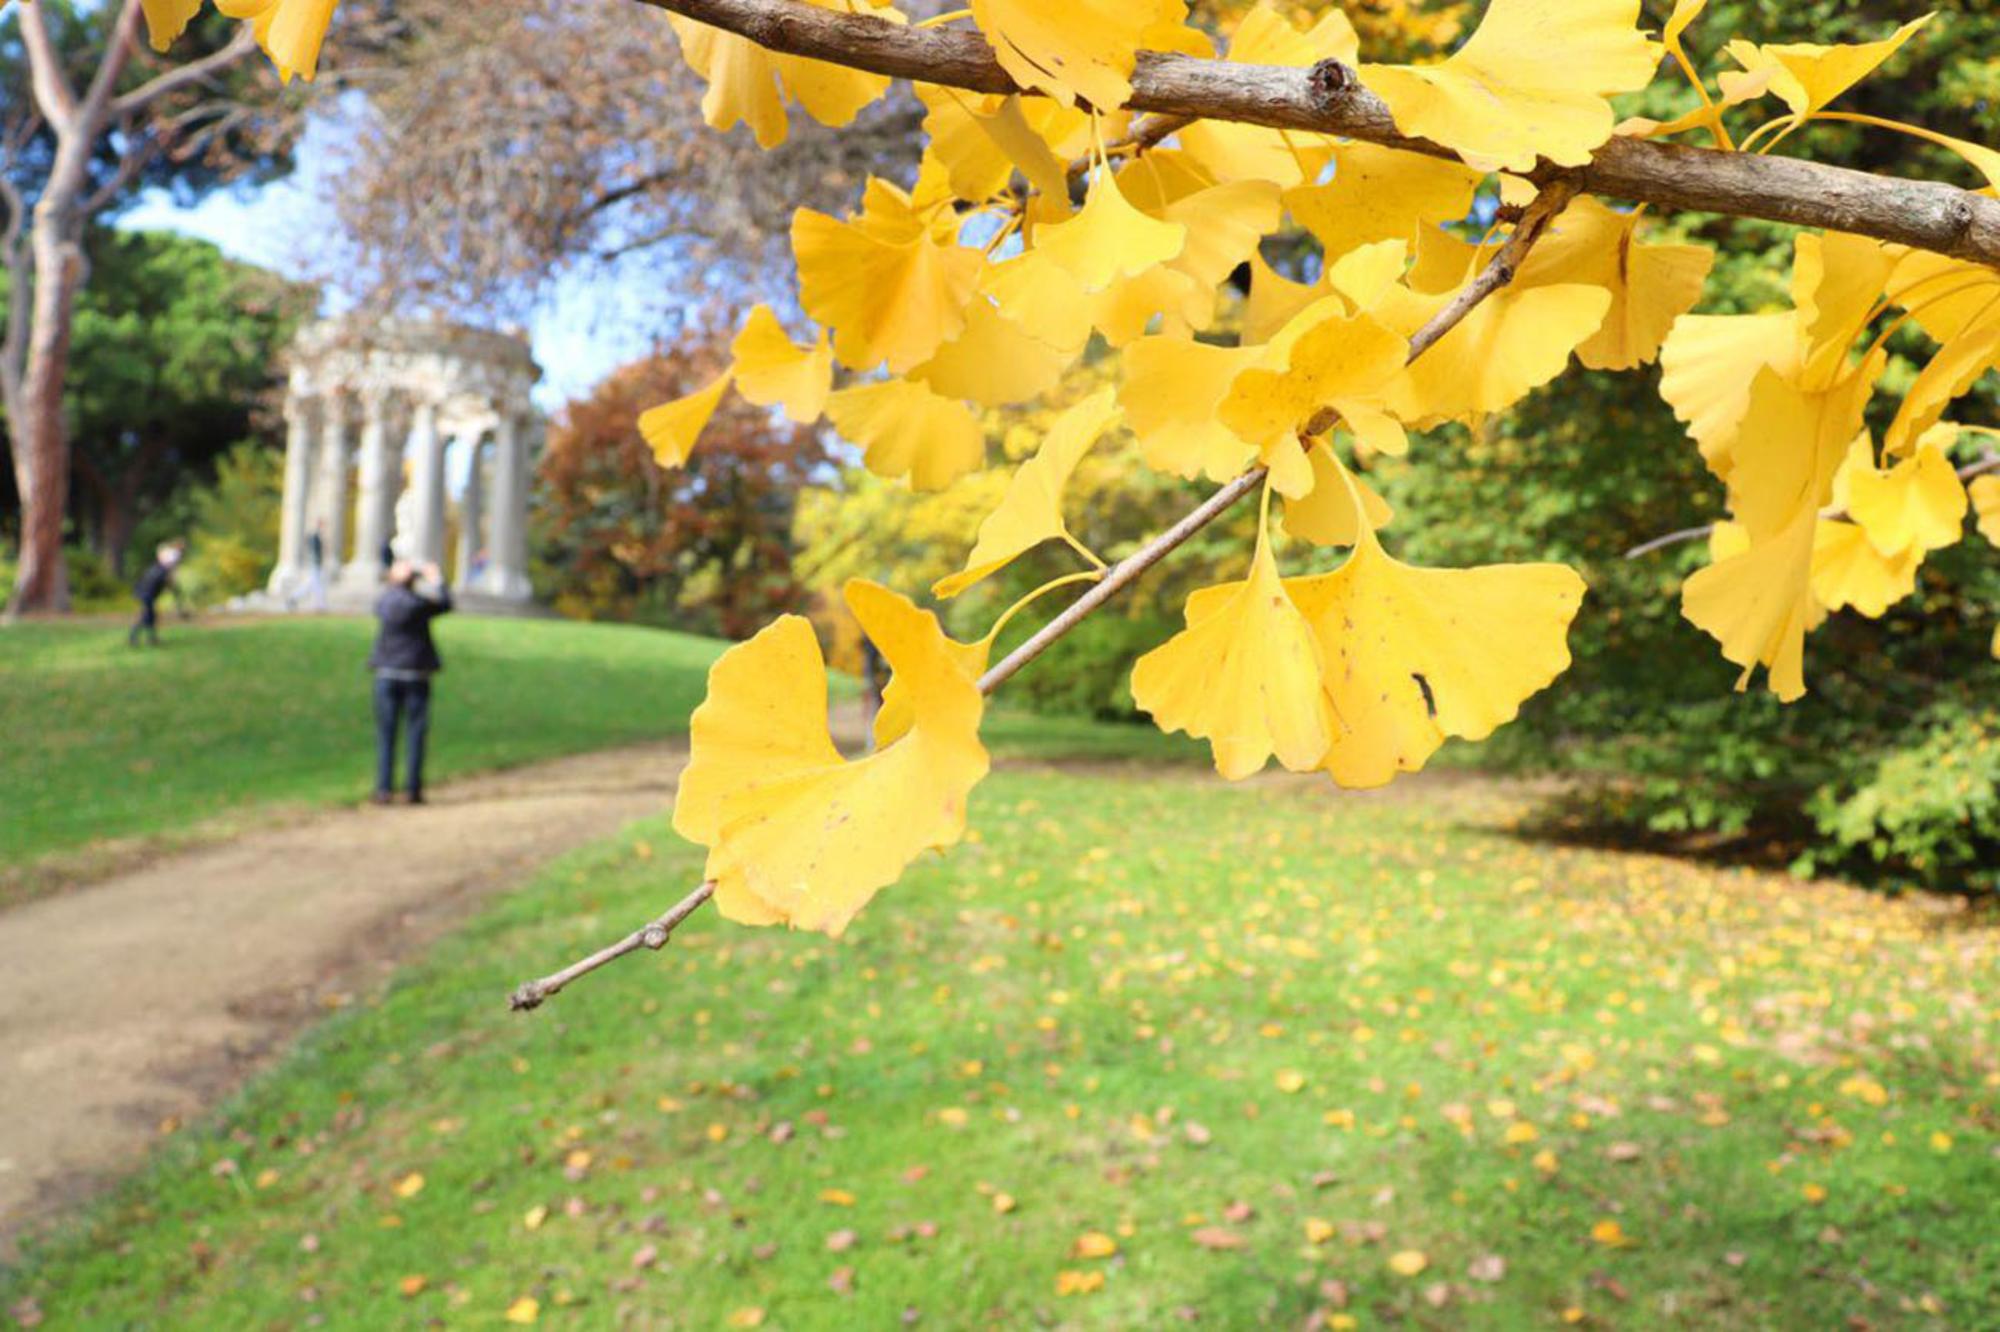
{"x": 145, "y": 997}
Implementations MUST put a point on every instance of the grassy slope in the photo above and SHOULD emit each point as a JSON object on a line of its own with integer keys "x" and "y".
{"x": 104, "y": 741}
{"x": 1130, "y": 1005}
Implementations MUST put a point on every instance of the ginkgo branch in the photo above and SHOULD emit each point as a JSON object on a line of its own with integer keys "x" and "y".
{"x": 1498, "y": 272}
{"x": 1328, "y": 99}
{"x": 1988, "y": 462}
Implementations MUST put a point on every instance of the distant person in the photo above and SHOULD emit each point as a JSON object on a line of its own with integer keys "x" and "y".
{"x": 404, "y": 660}
{"x": 316, "y": 567}
{"x": 154, "y": 582}
{"x": 387, "y": 555}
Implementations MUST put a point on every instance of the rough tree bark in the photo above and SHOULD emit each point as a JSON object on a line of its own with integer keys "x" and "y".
{"x": 1327, "y": 99}
{"x": 46, "y": 265}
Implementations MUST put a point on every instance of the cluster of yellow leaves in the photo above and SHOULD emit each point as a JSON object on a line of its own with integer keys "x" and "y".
{"x": 1036, "y": 232}
{"x": 1777, "y": 402}
{"x": 290, "y": 31}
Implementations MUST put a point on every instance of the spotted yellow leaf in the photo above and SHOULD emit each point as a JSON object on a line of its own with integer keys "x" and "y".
{"x": 1380, "y": 193}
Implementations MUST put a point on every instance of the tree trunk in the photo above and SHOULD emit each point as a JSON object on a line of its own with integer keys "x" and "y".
{"x": 41, "y": 443}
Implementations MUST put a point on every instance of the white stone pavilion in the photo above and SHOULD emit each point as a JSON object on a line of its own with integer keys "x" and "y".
{"x": 371, "y": 411}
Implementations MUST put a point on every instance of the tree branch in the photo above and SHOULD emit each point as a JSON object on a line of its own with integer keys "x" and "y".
{"x": 45, "y": 72}
{"x": 1552, "y": 199}
{"x": 180, "y": 76}
{"x": 1328, "y": 99}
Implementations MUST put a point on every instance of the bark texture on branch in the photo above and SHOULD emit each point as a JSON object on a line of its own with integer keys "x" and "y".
{"x": 1928, "y": 215}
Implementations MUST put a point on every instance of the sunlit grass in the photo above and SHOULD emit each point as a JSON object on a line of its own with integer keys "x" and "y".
{"x": 1277, "y": 1046}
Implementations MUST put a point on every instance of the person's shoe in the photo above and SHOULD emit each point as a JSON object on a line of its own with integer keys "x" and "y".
{"x": 382, "y": 798}
{"x": 417, "y": 798}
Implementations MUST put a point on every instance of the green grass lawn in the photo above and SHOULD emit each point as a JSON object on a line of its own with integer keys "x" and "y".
{"x": 1147, "y": 1052}
{"x": 104, "y": 741}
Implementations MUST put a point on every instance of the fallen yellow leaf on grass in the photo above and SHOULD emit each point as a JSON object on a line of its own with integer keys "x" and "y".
{"x": 410, "y": 1185}
{"x": 1318, "y": 1231}
{"x": 1003, "y": 1202}
{"x": 1610, "y": 1234}
{"x": 1408, "y": 1262}
{"x": 1813, "y": 1193}
{"x": 1290, "y": 1081}
{"x": 412, "y": 1286}
{"x": 1070, "y": 1282}
{"x": 534, "y": 1216}
{"x": 750, "y": 1317}
{"x": 836, "y": 1197}
{"x": 1094, "y": 1244}
{"x": 524, "y": 1310}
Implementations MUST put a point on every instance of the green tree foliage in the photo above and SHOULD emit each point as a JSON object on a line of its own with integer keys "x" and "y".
{"x": 176, "y": 350}
{"x": 1596, "y": 464}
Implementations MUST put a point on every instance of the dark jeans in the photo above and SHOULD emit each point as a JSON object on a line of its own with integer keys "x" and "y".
{"x": 148, "y": 624}
{"x": 401, "y": 700}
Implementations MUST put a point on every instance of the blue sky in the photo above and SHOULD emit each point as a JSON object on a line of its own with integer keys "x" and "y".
{"x": 589, "y": 324}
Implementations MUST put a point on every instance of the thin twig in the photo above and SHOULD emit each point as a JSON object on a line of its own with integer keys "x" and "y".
{"x": 1988, "y": 462}
{"x": 1497, "y": 274}
{"x": 653, "y": 934}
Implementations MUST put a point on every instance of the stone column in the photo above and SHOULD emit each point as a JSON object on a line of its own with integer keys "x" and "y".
{"x": 290, "y": 572}
{"x": 507, "y": 542}
{"x": 426, "y": 539}
{"x": 375, "y": 509}
{"x": 335, "y": 457}
{"x": 471, "y": 510}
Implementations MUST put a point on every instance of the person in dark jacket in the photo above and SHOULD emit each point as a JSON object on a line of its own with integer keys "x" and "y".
{"x": 154, "y": 582}
{"x": 404, "y": 660}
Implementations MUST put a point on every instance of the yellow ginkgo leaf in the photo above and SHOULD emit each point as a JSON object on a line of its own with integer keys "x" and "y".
{"x": 1806, "y": 76}
{"x": 1273, "y": 301}
{"x": 748, "y": 84}
{"x": 1244, "y": 675}
{"x": 1984, "y": 493}
{"x": 1530, "y": 83}
{"x": 982, "y": 141}
{"x": 1327, "y": 515}
{"x": 1836, "y": 280}
{"x": 1224, "y": 224}
{"x": 1345, "y": 363}
{"x": 1758, "y": 604}
{"x": 906, "y": 429}
{"x": 1707, "y": 365}
{"x": 1847, "y": 570}
{"x": 773, "y": 371}
{"x": 1651, "y": 286}
{"x": 1950, "y": 372}
{"x": 1108, "y": 238}
{"x": 1039, "y": 294}
{"x": 1380, "y": 193}
{"x": 1231, "y": 151}
{"x": 1127, "y": 309}
{"x": 1511, "y": 343}
{"x": 1413, "y": 656}
{"x": 796, "y": 835}
{"x": 1794, "y": 441}
{"x": 166, "y": 20}
{"x": 1173, "y": 391}
{"x": 290, "y": 31}
{"x": 1031, "y": 510}
{"x": 1075, "y": 49}
{"x": 672, "y": 428}
{"x": 886, "y": 283}
{"x": 1917, "y": 505}
{"x": 993, "y": 361}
